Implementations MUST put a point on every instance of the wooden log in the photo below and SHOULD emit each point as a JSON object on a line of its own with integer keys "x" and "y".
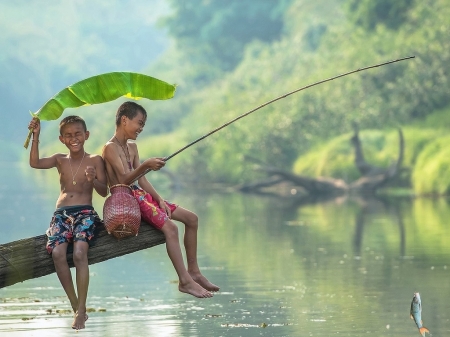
{"x": 27, "y": 258}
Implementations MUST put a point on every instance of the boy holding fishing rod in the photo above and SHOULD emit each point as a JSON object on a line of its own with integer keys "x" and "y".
{"x": 124, "y": 167}
{"x": 74, "y": 220}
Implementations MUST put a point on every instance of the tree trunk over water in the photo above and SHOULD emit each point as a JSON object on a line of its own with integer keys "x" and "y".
{"x": 27, "y": 258}
{"x": 372, "y": 177}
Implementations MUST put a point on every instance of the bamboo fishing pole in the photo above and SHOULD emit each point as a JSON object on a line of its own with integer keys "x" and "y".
{"x": 274, "y": 100}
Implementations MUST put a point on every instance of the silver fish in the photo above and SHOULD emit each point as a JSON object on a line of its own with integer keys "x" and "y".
{"x": 416, "y": 314}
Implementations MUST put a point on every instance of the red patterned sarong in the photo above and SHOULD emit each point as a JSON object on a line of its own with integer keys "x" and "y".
{"x": 150, "y": 210}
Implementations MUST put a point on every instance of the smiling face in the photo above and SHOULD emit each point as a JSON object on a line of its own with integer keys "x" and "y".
{"x": 73, "y": 135}
{"x": 134, "y": 126}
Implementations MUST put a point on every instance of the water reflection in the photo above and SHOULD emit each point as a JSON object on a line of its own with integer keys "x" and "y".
{"x": 374, "y": 207}
{"x": 344, "y": 266}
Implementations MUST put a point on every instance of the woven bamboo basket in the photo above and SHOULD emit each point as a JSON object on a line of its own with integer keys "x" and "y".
{"x": 121, "y": 213}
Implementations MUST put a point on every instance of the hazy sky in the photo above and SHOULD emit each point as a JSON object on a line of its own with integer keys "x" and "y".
{"x": 70, "y": 33}
{"x": 47, "y": 45}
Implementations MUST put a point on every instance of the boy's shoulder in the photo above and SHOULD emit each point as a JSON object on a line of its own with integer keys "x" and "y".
{"x": 109, "y": 149}
{"x": 60, "y": 158}
{"x": 132, "y": 145}
{"x": 109, "y": 145}
{"x": 93, "y": 156}
{"x": 60, "y": 155}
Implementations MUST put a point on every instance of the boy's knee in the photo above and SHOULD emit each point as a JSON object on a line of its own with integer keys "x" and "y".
{"x": 79, "y": 256}
{"x": 58, "y": 256}
{"x": 170, "y": 229}
{"x": 192, "y": 220}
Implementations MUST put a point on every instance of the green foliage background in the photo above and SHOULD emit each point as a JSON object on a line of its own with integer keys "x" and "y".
{"x": 223, "y": 69}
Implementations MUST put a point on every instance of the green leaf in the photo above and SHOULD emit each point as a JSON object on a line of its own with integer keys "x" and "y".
{"x": 104, "y": 88}
{"x": 101, "y": 89}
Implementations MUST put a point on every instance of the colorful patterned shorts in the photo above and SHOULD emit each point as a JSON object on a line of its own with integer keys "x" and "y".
{"x": 72, "y": 223}
{"x": 150, "y": 210}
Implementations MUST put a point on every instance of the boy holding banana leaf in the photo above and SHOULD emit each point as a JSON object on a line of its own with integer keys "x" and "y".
{"x": 124, "y": 167}
{"x": 74, "y": 220}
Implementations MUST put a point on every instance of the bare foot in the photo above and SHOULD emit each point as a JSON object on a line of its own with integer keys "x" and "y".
{"x": 194, "y": 289}
{"x": 78, "y": 322}
{"x": 204, "y": 282}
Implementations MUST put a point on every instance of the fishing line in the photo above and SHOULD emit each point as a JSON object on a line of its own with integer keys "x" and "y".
{"x": 274, "y": 100}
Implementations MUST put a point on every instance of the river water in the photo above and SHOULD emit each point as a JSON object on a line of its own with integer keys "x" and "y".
{"x": 346, "y": 267}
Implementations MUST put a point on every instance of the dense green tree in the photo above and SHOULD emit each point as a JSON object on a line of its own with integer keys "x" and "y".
{"x": 217, "y": 31}
{"x": 369, "y": 13}
{"x": 380, "y": 98}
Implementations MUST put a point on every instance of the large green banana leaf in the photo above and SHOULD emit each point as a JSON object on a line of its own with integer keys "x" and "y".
{"x": 101, "y": 89}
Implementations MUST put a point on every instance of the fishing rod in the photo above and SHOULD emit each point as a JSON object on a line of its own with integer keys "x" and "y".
{"x": 272, "y": 101}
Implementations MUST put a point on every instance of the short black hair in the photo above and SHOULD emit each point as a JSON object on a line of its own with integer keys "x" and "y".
{"x": 130, "y": 110}
{"x": 71, "y": 119}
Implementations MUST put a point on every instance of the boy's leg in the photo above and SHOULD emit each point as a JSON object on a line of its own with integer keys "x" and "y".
{"x": 190, "y": 243}
{"x": 186, "y": 283}
{"x": 59, "y": 255}
{"x": 80, "y": 260}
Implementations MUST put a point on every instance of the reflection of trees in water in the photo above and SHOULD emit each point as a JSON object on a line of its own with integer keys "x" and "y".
{"x": 370, "y": 206}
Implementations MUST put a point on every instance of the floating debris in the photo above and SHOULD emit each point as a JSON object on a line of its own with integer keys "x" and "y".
{"x": 239, "y": 325}
{"x": 213, "y": 315}
{"x": 63, "y": 311}
{"x": 246, "y": 325}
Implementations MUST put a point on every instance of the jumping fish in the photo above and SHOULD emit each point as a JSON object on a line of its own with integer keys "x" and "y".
{"x": 416, "y": 314}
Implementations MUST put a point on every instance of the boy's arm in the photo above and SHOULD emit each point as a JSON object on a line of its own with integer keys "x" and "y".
{"x": 97, "y": 176}
{"x": 35, "y": 161}
{"x": 148, "y": 187}
{"x": 111, "y": 155}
